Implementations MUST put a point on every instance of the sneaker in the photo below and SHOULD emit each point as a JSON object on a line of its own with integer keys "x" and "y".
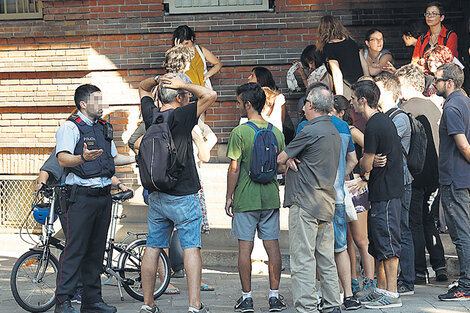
{"x": 203, "y": 309}
{"x": 371, "y": 297}
{"x": 456, "y": 293}
{"x": 420, "y": 280}
{"x": 244, "y": 305}
{"x": 453, "y": 284}
{"x": 385, "y": 302}
{"x": 178, "y": 274}
{"x": 277, "y": 304}
{"x": 351, "y": 303}
{"x": 368, "y": 286}
{"x": 334, "y": 310}
{"x": 355, "y": 286}
{"x": 148, "y": 309}
{"x": 441, "y": 275}
{"x": 77, "y": 296}
{"x": 404, "y": 290}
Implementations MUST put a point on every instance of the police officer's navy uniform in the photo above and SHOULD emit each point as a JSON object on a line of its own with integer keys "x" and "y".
{"x": 89, "y": 209}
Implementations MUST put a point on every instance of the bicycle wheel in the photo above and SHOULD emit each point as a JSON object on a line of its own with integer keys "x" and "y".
{"x": 31, "y": 293}
{"x": 130, "y": 271}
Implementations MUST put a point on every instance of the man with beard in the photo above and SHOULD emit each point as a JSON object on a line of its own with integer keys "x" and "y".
{"x": 454, "y": 170}
{"x": 253, "y": 206}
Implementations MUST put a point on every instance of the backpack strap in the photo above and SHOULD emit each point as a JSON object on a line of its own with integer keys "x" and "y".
{"x": 392, "y": 116}
{"x": 448, "y": 33}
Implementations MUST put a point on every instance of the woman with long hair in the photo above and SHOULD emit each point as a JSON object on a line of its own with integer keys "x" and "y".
{"x": 198, "y": 70}
{"x": 342, "y": 54}
{"x": 357, "y": 230}
{"x": 274, "y": 109}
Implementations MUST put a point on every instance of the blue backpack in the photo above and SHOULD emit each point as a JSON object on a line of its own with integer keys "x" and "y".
{"x": 265, "y": 150}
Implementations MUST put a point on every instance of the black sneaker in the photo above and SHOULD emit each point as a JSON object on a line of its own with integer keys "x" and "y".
{"x": 420, "y": 280}
{"x": 351, "y": 303}
{"x": 244, "y": 305}
{"x": 277, "y": 304}
{"x": 64, "y": 307}
{"x": 456, "y": 293}
{"x": 441, "y": 275}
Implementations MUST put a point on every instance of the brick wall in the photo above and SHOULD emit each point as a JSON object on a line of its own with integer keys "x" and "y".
{"x": 116, "y": 43}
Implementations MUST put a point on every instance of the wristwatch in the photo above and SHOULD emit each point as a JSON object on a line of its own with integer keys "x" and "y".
{"x": 364, "y": 178}
{"x": 156, "y": 79}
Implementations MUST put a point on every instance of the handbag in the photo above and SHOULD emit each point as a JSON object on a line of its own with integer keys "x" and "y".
{"x": 351, "y": 214}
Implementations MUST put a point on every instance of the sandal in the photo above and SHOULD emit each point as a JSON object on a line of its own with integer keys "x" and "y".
{"x": 172, "y": 290}
{"x": 205, "y": 287}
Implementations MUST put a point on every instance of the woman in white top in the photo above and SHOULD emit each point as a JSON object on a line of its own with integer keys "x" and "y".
{"x": 376, "y": 57}
{"x": 274, "y": 109}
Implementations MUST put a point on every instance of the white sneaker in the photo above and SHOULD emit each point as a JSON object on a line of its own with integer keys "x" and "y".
{"x": 148, "y": 309}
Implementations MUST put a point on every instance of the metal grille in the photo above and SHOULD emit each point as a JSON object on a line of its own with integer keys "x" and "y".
{"x": 16, "y": 197}
{"x": 212, "y": 6}
{"x": 20, "y": 9}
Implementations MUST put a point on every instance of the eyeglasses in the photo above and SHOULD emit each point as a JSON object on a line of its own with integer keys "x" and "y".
{"x": 437, "y": 80}
{"x": 431, "y": 14}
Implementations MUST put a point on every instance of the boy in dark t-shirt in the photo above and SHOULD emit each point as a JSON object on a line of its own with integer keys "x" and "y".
{"x": 385, "y": 190}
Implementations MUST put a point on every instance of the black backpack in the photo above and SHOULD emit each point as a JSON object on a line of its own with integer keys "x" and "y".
{"x": 159, "y": 167}
{"x": 265, "y": 150}
{"x": 416, "y": 156}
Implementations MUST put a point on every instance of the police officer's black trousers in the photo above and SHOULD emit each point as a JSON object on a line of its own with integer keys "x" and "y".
{"x": 87, "y": 222}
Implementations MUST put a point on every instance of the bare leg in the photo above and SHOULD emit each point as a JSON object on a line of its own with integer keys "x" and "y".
{"x": 391, "y": 271}
{"x": 149, "y": 273}
{"x": 193, "y": 268}
{"x": 381, "y": 278}
{"x": 244, "y": 263}
{"x": 359, "y": 234}
{"x": 344, "y": 271}
{"x": 352, "y": 253}
{"x": 275, "y": 262}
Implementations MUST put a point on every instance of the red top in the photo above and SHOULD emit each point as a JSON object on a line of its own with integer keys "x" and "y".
{"x": 421, "y": 47}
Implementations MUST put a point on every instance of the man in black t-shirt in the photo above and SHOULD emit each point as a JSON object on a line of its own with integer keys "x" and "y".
{"x": 178, "y": 207}
{"x": 385, "y": 190}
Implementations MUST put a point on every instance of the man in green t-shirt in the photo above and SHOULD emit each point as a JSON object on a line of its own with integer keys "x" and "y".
{"x": 253, "y": 206}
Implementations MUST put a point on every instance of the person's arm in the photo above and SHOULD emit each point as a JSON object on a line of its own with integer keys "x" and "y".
{"x": 463, "y": 145}
{"x": 146, "y": 107}
{"x": 357, "y": 136}
{"x": 364, "y": 65}
{"x": 204, "y": 154}
{"x": 66, "y": 159}
{"x": 205, "y": 96}
{"x": 383, "y": 63}
{"x": 232, "y": 179}
{"x": 42, "y": 179}
{"x": 212, "y": 59}
{"x": 351, "y": 161}
{"x": 367, "y": 162}
{"x": 116, "y": 183}
{"x": 337, "y": 76}
{"x": 290, "y": 163}
{"x": 121, "y": 159}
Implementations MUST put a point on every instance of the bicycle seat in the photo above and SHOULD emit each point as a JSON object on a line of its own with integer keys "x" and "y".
{"x": 123, "y": 196}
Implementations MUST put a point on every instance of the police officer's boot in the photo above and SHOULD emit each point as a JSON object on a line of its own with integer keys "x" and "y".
{"x": 98, "y": 307}
{"x": 64, "y": 307}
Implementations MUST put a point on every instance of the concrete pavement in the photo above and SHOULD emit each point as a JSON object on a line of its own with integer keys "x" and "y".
{"x": 227, "y": 292}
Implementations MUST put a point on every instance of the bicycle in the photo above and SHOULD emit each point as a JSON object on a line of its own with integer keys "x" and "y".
{"x": 33, "y": 277}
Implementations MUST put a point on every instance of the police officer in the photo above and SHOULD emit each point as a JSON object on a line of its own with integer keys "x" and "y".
{"x": 85, "y": 146}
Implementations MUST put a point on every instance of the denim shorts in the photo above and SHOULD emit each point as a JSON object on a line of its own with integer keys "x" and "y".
{"x": 340, "y": 227}
{"x": 383, "y": 224}
{"x": 244, "y": 225}
{"x": 167, "y": 212}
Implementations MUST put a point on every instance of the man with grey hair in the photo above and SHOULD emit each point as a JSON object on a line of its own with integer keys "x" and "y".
{"x": 423, "y": 230}
{"x": 454, "y": 170}
{"x": 179, "y": 206}
{"x": 312, "y": 158}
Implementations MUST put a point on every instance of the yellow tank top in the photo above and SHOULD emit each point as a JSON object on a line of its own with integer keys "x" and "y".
{"x": 196, "y": 69}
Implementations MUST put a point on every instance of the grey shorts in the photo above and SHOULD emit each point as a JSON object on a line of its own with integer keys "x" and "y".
{"x": 244, "y": 225}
